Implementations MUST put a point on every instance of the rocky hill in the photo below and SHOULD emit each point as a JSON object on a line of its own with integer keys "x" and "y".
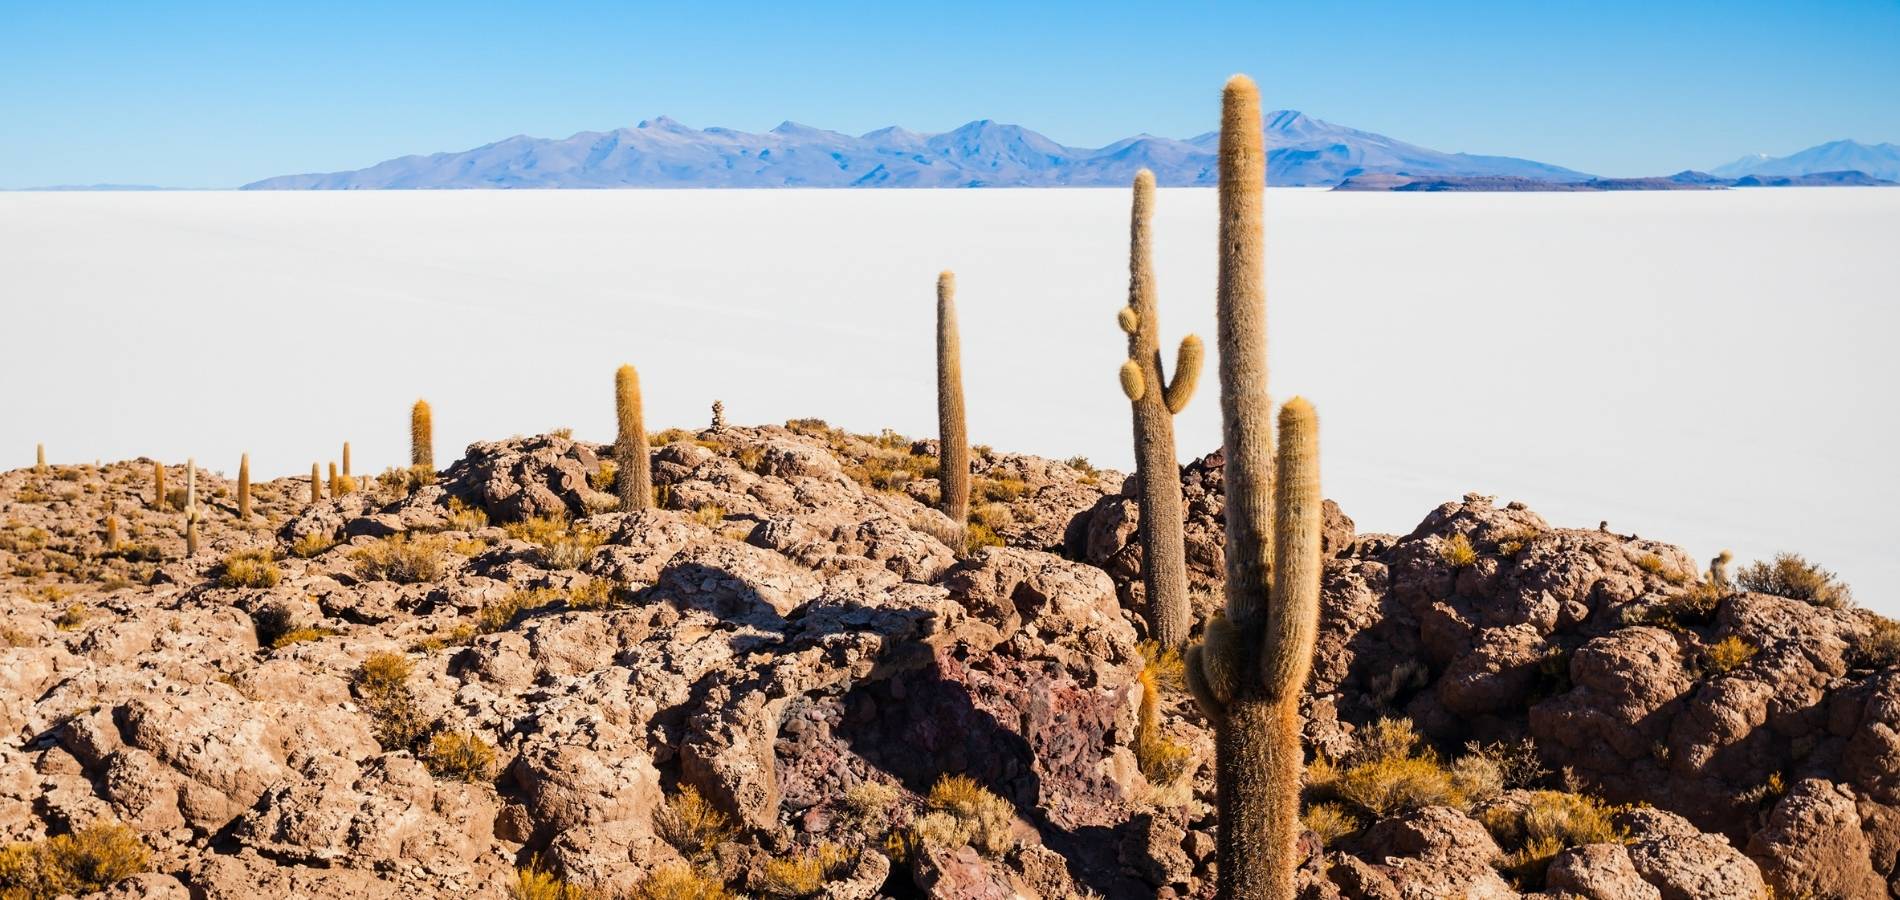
{"x": 782, "y": 683}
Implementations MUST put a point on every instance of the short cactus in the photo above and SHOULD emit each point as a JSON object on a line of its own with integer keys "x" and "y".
{"x": 39, "y": 458}
{"x": 316, "y": 484}
{"x": 244, "y": 488}
{"x": 346, "y": 459}
{"x": 421, "y": 436}
{"x": 191, "y": 507}
{"x": 633, "y": 468}
{"x": 112, "y": 533}
{"x": 336, "y": 483}
{"x": 1251, "y": 666}
{"x": 1155, "y": 401}
{"x": 158, "y": 486}
{"x": 953, "y": 437}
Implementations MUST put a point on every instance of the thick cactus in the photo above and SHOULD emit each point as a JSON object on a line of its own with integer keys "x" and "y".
{"x": 39, "y": 458}
{"x": 316, "y": 484}
{"x": 633, "y": 472}
{"x": 158, "y": 485}
{"x": 244, "y": 488}
{"x": 421, "y": 436}
{"x": 1155, "y": 401}
{"x": 953, "y": 438}
{"x": 346, "y": 459}
{"x": 336, "y": 483}
{"x": 112, "y": 534}
{"x": 1253, "y": 661}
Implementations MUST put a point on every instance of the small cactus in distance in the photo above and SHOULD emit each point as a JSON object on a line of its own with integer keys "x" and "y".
{"x": 112, "y": 533}
{"x": 1155, "y": 402}
{"x": 633, "y": 469}
{"x": 316, "y": 484}
{"x": 336, "y": 484}
{"x": 953, "y": 437}
{"x": 191, "y": 507}
{"x": 244, "y": 488}
{"x": 346, "y": 459}
{"x": 39, "y": 458}
{"x": 158, "y": 485}
{"x": 1718, "y": 569}
{"x": 421, "y": 436}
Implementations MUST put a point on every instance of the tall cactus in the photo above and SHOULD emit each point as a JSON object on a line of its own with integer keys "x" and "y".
{"x": 346, "y": 459}
{"x": 953, "y": 437}
{"x": 1251, "y": 667}
{"x": 336, "y": 484}
{"x": 191, "y": 507}
{"x": 316, "y": 484}
{"x": 158, "y": 485}
{"x": 421, "y": 436}
{"x": 244, "y": 488}
{"x": 112, "y": 533}
{"x": 633, "y": 468}
{"x": 39, "y": 458}
{"x": 1155, "y": 402}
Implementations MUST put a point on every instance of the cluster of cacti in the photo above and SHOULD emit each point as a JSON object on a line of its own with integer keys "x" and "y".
{"x": 244, "y": 488}
{"x": 421, "y": 436}
{"x": 1155, "y": 402}
{"x": 1252, "y": 663}
{"x": 953, "y": 438}
{"x": 633, "y": 471}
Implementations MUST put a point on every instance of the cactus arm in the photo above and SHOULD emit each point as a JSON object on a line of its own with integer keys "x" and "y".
{"x": 1132, "y": 384}
{"x": 1293, "y": 616}
{"x": 1187, "y": 374}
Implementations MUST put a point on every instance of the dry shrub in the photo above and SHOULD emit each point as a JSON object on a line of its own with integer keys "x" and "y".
{"x": 978, "y": 535}
{"x": 90, "y": 859}
{"x": 74, "y": 617}
{"x": 1518, "y": 761}
{"x": 403, "y": 559}
{"x": 250, "y": 569}
{"x": 1881, "y": 648}
{"x": 461, "y": 756}
{"x": 1795, "y": 578}
{"x": 1330, "y": 821}
{"x": 679, "y": 882}
{"x": 310, "y": 545}
{"x": 1163, "y": 761}
{"x": 1388, "y": 773}
{"x": 534, "y": 884}
{"x": 1457, "y": 551}
{"x": 869, "y": 806}
{"x": 463, "y": 517}
{"x": 563, "y": 545}
{"x": 806, "y": 874}
{"x": 301, "y": 635}
{"x": 984, "y": 820}
{"x": 710, "y": 515}
{"x": 1728, "y": 654}
{"x": 602, "y": 479}
{"x": 692, "y": 824}
{"x": 500, "y": 614}
{"x": 1550, "y": 823}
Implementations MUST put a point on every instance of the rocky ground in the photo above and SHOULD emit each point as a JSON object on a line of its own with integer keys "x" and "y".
{"x": 442, "y": 689}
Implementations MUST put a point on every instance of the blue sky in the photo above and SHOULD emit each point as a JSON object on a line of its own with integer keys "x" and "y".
{"x": 213, "y": 94}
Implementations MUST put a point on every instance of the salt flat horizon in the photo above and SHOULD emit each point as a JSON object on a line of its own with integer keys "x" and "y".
{"x": 1699, "y": 367}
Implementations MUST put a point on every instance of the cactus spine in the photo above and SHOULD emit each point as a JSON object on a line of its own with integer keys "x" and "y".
{"x": 1251, "y": 667}
{"x": 1163, "y": 547}
{"x": 421, "y": 436}
{"x": 316, "y": 484}
{"x": 953, "y": 438}
{"x": 158, "y": 485}
{"x": 191, "y": 507}
{"x": 633, "y": 470}
{"x": 244, "y": 488}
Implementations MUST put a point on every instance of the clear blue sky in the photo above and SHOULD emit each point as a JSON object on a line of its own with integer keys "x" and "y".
{"x": 215, "y": 94}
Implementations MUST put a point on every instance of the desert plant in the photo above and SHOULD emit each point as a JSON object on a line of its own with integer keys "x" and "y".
{"x": 531, "y": 883}
{"x": 90, "y": 859}
{"x": 1881, "y": 647}
{"x": 1155, "y": 402}
{"x": 421, "y": 437}
{"x": 953, "y": 438}
{"x": 250, "y": 569}
{"x": 346, "y": 459}
{"x": 158, "y": 485}
{"x": 72, "y": 618}
{"x": 1163, "y": 761}
{"x": 461, "y": 756}
{"x": 301, "y": 635}
{"x": 633, "y": 469}
{"x": 316, "y": 485}
{"x": 679, "y": 882}
{"x": 112, "y": 534}
{"x": 382, "y": 682}
{"x": 244, "y": 488}
{"x": 1549, "y": 823}
{"x": 1728, "y": 654}
{"x": 806, "y": 874}
{"x": 692, "y": 825}
{"x": 1795, "y": 578}
{"x": 1457, "y": 551}
{"x": 1330, "y": 821}
{"x": 1251, "y": 665}
{"x": 191, "y": 507}
{"x": 1718, "y": 569}
{"x": 982, "y": 819}
{"x": 402, "y": 559}
{"x": 1518, "y": 761}
{"x": 311, "y": 544}
{"x": 336, "y": 482}
{"x": 868, "y": 807}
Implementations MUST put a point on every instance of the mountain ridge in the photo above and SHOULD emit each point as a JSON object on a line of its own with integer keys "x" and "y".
{"x": 662, "y": 152}
{"x": 1880, "y": 161}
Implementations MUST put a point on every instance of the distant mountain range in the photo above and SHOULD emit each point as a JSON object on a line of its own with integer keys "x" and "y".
{"x": 662, "y": 153}
{"x": 1681, "y": 181}
{"x": 1881, "y": 161}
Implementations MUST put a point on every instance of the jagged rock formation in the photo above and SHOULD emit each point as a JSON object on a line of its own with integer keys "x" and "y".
{"x": 786, "y": 629}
